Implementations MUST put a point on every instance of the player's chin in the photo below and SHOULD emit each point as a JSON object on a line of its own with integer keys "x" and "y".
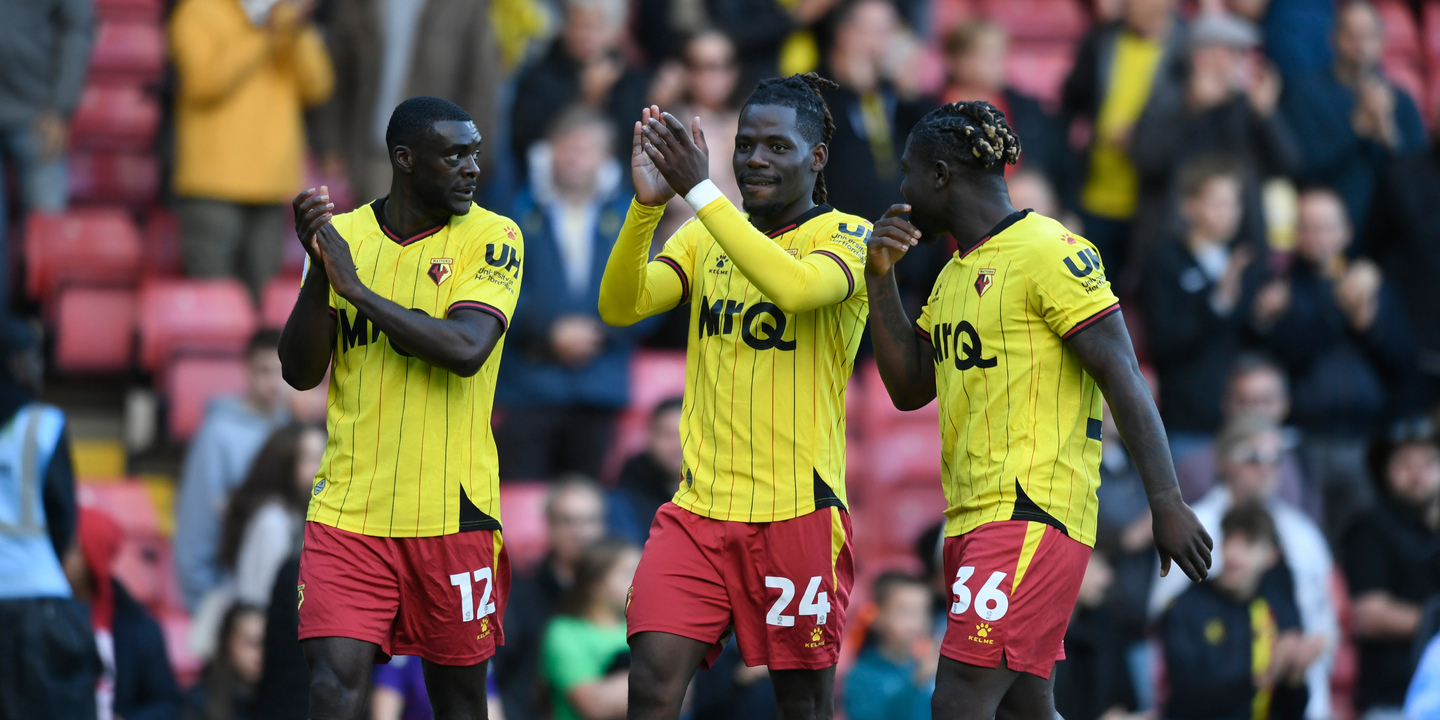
{"x": 460, "y": 203}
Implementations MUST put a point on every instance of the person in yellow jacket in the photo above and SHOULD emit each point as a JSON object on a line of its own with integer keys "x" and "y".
{"x": 247, "y": 71}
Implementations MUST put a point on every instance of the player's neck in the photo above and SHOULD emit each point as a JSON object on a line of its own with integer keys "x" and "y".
{"x": 406, "y": 216}
{"x": 784, "y": 216}
{"x": 974, "y": 215}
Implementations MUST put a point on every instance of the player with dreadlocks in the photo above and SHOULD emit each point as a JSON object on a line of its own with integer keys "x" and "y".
{"x": 757, "y": 536}
{"x": 1019, "y": 339}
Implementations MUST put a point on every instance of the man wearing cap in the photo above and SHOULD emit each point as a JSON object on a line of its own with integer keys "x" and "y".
{"x": 1225, "y": 107}
{"x": 48, "y": 662}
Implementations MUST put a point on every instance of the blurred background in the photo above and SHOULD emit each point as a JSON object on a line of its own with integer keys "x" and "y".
{"x": 1261, "y": 179}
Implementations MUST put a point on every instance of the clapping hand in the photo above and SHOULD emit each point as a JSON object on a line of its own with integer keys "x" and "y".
{"x": 680, "y": 154}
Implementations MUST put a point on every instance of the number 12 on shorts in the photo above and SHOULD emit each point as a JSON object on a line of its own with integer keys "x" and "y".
{"x": 812, "y": 603}
{"x": 469, "y": 611}
{"x": 990, "y": 603}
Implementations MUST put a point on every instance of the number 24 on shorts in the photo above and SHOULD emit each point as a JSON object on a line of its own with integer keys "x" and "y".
{"x": 812, "y": 603}
{"x": 990, "y": 603}
{"x": 470, "y": 611}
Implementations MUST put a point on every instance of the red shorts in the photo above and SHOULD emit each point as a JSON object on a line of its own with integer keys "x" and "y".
{"x": 1015, "y": 588}
{"x": 441, "y": 598}
{"x": 782, "y": 585}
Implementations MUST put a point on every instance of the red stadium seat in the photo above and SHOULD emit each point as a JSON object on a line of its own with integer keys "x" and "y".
{"x": 522, "y": 513}
{"x": 144, "y": 11}
{"x": 1040, "y": 71}
{"x": 197, "y": 316}
{"x": 909, "y": 455}
{"x": 946, "y": 14}
{"x": 192, "y": 382}
{"x": 127, "y": 501}
{"x": 1402, "y": 37}
{"x": 117, "y": 119}
{"x": 161, "y": 237}
{"x": 889, "y": 522}
{"x": 128, "y": 52}
{"x": 105, "y": 177}
{"x": 656, "y": 375}
{"x": 880, "y": 412}
{"x": 83, "y": 246}
{"x": 1045, "y": 20}
{"x": 95, "y": 330}
{"x": 277, "y": 299}
{"x": 1430, "y": 34}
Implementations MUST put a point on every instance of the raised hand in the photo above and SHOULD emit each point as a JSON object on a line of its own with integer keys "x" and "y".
{"x": 651, "y": 188}
{"x": 681, "y": 155}
{"x": 339, "y": 265}
{"x": 313, "y": 210}
{"x": 1180, "y": 537}
{"x": 892, "y": 237}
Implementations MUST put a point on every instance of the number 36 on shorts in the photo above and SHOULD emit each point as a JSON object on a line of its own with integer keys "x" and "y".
{"x": 990, "y": 602}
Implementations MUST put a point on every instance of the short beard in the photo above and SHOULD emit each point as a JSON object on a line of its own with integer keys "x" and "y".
{"x": 762, "y": 210}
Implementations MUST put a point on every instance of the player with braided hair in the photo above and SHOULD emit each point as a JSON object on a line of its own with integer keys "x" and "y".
{"x": 1020, "y": 338}
{"x": 757, "y": 536}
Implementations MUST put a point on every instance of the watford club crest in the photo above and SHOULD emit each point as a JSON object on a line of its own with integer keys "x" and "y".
{"x": 440, "y": 270}
{"x": 984, "y": 280}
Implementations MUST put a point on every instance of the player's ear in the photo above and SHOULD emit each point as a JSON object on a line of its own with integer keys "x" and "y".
{"x": 819, "y": 157}
{"x": 403, "y": 158}
{"x": 943, "y": 174}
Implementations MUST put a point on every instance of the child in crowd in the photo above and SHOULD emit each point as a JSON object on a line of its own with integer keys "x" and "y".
{"x": 228, "y": 682}
{"x": 584, "y": 656}
{"x": 895, "y": 673}
{"x": 1233, "y": 647}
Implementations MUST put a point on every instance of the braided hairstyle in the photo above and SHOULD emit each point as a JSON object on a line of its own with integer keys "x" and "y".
{"x": 972, "y": 133}
{"x": 812, "y": 115}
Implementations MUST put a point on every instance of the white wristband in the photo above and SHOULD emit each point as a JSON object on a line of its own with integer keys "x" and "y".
{"x": 703, "y": 194}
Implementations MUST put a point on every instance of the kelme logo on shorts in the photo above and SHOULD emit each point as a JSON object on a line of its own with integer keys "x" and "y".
{"x": 982, "y": 634}
{"x": 319, "y": 486}
{"x": 816, "y": 638}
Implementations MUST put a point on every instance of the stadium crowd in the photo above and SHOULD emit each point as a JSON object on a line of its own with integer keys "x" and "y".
{"x": 1260, "y": 177}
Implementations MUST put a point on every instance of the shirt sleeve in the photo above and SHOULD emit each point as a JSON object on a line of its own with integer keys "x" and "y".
{"x": 823, "y": 277}
{"x": 489, "y": 272}
{"x": 634, "y": 287}
{"x": 1068, "y": 283}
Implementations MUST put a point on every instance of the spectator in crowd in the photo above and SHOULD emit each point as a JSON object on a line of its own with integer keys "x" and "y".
{"x": 1351, "y": 120}
{"x": 930, "y": 551}
{"x": 398, "y": 692}
{"x": 711, "y": 74}
{"x": 1198, "y": 289}
{"x": 1341, "y": 334}
{"x": 1117, "y": 68}
{"x": 895, "y": 674}
{"x": 1248, "y": 453}
{"x": 567, "y": 374}
{"x": 1401, "y": 239}
{"x": 284, "y": 689}
{"x": 247, "y": 72}
{"x": 584, "y": 652}
{"x": 386, "y": 52}
{"x": 585, "y": 66}
{"x": 1255, "y": 385}
{"x": 649, "y": 479}
{"x": 1392, "y": 563}
{"x": 773, "y": 37}
{"x": 574, "y": 520}
{"x": 231, "y": 434}
{"x": 975, "y": 57}
{"x": 42, "y": 71}
{"x": 1297, "y": 32}
{"x": 871, "y": 119}
{"x": 136, "y": 682}
{"x": 1422, "y": 700}
{"x": 42, "y": 628}
{"x": 1233, "y": 650}
{"x": 1094, "y": 682}
{"x": 1226, "y": 106}
{"x": 227, "y": 685}
{"x": 731, "y": 689}
{"x": 264, "y": 517}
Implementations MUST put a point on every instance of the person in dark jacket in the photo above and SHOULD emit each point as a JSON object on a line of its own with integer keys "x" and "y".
{"x": 566, "y": 374}
{"x": 1094, "y": 681}
{"x": 574, "y": 520}
{"x": 137, "y": 683}
{"x": 584, "y": 66}
{"x": 227, "y": 685}
{"x": 649, "y": 479}
{"x": 1198, "y": 289}
{"x": 1225, "y": 106}
{"x": 1392, "y": 563}
{"x": 1119, "y": 66}
{"x": 284, "y": 689}
{"x": 1351, "y": 121}
{"x": 1341, "y": 333}
{"x": 1232, "y": 646}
